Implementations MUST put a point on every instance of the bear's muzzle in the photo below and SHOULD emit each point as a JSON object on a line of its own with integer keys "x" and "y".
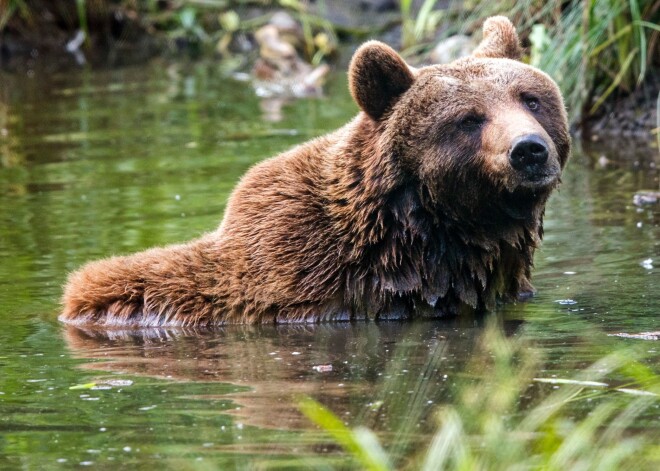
{"x": 531, "y": 157}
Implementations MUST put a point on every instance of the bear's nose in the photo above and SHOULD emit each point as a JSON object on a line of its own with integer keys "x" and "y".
{"x": 528, "y": 151}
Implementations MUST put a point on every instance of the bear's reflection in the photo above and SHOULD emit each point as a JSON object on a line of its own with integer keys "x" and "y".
{"x": 404, "y": 369}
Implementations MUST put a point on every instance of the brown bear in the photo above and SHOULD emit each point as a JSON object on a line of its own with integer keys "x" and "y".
{"x": 429, "y": 203}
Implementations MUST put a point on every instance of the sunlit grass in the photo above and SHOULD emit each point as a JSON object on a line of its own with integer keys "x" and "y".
{"x": 586, "y": 422}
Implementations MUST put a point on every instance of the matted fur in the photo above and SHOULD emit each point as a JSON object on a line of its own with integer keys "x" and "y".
{"x": 412, "y": 209}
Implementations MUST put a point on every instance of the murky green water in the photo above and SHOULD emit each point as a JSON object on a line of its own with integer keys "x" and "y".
{"x": 100, "y": 163}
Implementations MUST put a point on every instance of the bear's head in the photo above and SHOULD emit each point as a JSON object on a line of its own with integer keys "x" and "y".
{"x": 483, "y": 136}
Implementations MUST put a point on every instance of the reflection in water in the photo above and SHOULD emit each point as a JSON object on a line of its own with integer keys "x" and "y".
{"x": 403, "y": 365}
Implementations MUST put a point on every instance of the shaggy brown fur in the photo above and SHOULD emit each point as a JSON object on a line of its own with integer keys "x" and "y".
{"x": 419, "y": 207}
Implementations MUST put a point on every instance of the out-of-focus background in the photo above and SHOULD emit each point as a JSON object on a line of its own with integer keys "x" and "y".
{"x": 604, "y": 53}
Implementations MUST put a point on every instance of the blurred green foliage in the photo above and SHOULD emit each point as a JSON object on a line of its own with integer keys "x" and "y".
{"x": 593, "y": 48}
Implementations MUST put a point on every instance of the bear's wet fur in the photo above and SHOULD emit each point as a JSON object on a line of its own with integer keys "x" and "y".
{"x": 428, "y": 203}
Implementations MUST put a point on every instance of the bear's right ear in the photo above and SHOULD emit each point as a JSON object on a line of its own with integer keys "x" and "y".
{"x": 377, "y": 77}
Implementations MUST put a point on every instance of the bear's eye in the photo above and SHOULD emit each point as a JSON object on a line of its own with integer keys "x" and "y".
{"x": 472, "y": 122}
{"x": 532, "y": 103}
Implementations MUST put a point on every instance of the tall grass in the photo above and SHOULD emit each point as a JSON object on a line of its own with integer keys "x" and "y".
{"x": 598, "y": 47}
{"x": 583, "y": 424}
{"x": 592, "y": 48}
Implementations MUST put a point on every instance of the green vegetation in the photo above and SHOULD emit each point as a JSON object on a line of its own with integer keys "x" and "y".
{"x": 593, "y": 48}
{"x": 596, "y": 47}
{"x": 416, "y": 29}
{"x": 578, "y": 423}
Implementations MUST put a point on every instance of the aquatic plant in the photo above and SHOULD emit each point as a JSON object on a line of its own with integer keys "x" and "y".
{"x": 579, "y": 423}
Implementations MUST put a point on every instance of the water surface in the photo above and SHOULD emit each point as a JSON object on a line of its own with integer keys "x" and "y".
{"x": 96, "y": 163}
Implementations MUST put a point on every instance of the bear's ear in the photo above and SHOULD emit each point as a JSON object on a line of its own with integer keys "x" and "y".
{"x": 500, "y": 40}
{"x": 377, "y": 77}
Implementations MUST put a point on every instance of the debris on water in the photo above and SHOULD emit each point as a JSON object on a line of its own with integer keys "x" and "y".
{"x": 570, "y": 273}
{"x": 118, "y": 382}
{"x": 241, "y": 76}
{"x": 648, "y": 263}
{"x": 566, "y": 302}
{"x": 642, "y": 198}
{"x": 148, "y": 407}
{"x": 322, "y": 368}
{"x": 571, "y": 381}
{"x": 640, "y": 336}
{"x": 77, "y": 41}
{"x": 83, "y": 386}
{"x": 73, "y": 47}
{"x": 105, "y": 384}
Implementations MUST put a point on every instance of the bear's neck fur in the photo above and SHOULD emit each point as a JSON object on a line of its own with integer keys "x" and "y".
{"x": 407, "y": 254}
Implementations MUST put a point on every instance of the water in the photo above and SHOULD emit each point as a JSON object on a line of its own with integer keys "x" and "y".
{"x": 110, "y": 162}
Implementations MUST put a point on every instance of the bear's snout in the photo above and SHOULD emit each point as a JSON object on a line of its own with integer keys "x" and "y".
{"x": 529, "y": 153}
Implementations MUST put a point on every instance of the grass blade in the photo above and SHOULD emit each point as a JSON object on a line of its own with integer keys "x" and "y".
{"x": 361, "y": 444}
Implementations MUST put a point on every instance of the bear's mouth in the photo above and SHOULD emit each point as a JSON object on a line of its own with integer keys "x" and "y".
{"x": 540, "y": 180}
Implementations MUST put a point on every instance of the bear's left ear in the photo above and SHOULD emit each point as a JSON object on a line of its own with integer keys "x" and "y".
{"x": 500, "y": 40}
{"x": 377, "y": 77}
